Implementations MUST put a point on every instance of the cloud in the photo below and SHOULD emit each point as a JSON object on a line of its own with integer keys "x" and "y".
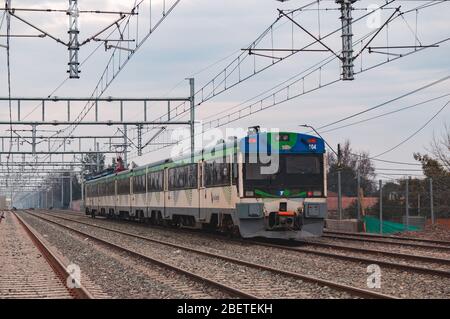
{"x": 201, "y": 32}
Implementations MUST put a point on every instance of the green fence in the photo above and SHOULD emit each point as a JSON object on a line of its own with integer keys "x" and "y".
{"x": 373, "y": 226}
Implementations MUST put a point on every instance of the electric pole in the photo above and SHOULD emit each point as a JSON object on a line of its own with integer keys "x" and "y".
{"x": 347, "y": 39}
{"x": 381, "y": 206}
{"x": 431, "y": 201}
{"x": 407, "y": 203}
{"x": 339, "y": 182}
{"x": 358, "y": 200}
{"x": 74, "y": 45}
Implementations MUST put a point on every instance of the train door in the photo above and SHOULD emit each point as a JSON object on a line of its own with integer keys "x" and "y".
{"x": 166, "y": 193}
{"x": 201, "y": 193}
{"x": 96, "y": 198}
{"x": 116, "y": 198}
{"x": 132, "y": 201}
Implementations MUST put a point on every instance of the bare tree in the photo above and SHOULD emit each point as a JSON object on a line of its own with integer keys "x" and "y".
{"x": 351, "y": 162}
{"x": 440, "y": 147}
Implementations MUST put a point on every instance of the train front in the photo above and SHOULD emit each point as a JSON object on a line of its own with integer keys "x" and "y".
{"x": 283, "y": 186}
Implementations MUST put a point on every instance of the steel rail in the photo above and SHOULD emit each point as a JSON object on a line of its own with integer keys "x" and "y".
{"x": 420, "y": 269}
{"x": 378, "y": 251}
{"x": 58, "y": 267}
{"x": 341, "y": 287}
{"x": 431, "y": 241}
{"x": 381, "y": 241}
{"x": 189, "y": 274}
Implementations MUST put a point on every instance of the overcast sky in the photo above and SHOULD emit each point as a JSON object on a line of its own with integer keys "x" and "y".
{"x": 199, "y": 33}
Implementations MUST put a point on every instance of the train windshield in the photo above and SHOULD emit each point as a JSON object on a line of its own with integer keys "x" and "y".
{"x": 295, "y": 174}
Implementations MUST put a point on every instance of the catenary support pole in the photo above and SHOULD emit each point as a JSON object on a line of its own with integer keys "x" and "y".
{"x": 192, "y": 121}
{"x": 407, "y": 203}
{"x": 358, "y": 194}
{"x": 432, "y": 202}
{"x": 381, "y": 206}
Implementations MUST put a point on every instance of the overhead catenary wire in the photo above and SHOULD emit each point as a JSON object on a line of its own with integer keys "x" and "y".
{"x": 99, "y": 91}
{"x": 365, "y": 70}
{"x": 421, "y": 88}
{"x": 8, "y": 63}
{"x": 415, "y": 132}
{"x": 387, "y": 113}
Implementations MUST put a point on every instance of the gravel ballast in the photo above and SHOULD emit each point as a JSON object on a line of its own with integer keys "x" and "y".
{"x": 395, "y": 282}
{"x": 118, "y": 274}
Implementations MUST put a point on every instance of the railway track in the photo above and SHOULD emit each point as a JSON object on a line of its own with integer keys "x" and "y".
{"x": 421, "y": 258}
{"x": 426, "y": 269}
{"x": 24, "y": 273}
{"x": 248, "y": 291}
{"x": 387, "y": 241}
{"x": 366, "y": 235}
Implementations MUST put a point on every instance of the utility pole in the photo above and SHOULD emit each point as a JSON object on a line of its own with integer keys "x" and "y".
{"x": 381, "y": 206}
{"x": 358, "y": 200}
{"x": 125, "y": 146}
{"x": 418, "y": 204}
{"x": 192, "y": 121}
{"x": 74, "y": 45}
{"x": 339, "y": 182}
{"x": 97, "y": 148}
{"x": 347, "y": 39}
{"x": 82, "y": 191}
{"x": 71, "y": 191}
{"x": 62, "y": 192}
{"x": 407, "y": 203}
{"x": 431, "y": 201}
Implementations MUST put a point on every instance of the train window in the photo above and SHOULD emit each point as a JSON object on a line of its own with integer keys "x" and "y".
{"x": 123, "y": 186}
{"x": 302, "y": 165}
{"x": 139, "y": 184}
{"x": 184, "y": 177}
{"x": 217, "y": 174}
{"x": 110, "y": 188}
{"x": 155, "y": 181}
{"x": 100, "y": 189}
{"x": 94, "y": 190}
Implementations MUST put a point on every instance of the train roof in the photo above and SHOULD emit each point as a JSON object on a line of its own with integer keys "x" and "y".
{"x": 289, "y": 142}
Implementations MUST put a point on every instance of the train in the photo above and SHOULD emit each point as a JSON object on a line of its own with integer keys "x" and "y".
{"x": 231, "y": 187}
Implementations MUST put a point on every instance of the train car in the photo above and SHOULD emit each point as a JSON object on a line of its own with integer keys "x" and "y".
{"x": 270, "y": 185}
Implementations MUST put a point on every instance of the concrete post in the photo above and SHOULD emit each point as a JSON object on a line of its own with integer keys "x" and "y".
{"x": 381, "y": 206}
{"x": 432, "y": 202}
{"x": 71, "y": 192}
{"x": 407, "y": 202}
{"x": 358, "y": 198}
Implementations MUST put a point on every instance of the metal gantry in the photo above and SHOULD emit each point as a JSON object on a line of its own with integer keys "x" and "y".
{"x": 347, "y": 38}
{"x": 74, "y": 44}
{"x": 49, "y": 137}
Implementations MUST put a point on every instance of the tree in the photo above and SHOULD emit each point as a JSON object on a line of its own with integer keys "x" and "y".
{"x": 435, "y": 170}
{"x": 351, "y": 162}
{"x": 93, "y": 164}
{"x": 440, "y": 148}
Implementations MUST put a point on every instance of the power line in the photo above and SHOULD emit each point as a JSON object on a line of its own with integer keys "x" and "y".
{"x": 385, "y": 114}
{"x": 415, "y": 133}
{"x": 100, "y": 89}
{"x": 227, "y": 117}
{"x": 387, "y": 102}
{"x": 8, "y": 63}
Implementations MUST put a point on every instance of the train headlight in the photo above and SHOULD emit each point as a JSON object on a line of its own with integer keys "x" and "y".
{"x": 317, "y": 193}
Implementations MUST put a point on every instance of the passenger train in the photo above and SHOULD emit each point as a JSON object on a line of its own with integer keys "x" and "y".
{"x": 231, "y": 187}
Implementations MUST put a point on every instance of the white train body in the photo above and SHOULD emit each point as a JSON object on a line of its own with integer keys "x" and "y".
{"x": 223, "y": 190}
